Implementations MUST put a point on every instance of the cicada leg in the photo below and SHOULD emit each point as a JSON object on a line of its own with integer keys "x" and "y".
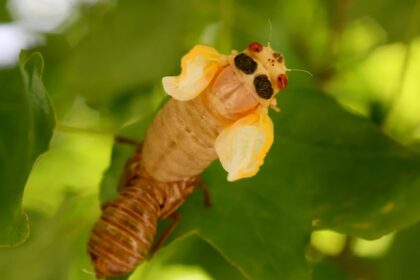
{"x": 206, "y": 194}
{"x": 125, "y": 140}
{"x": 131, "y": 170}
{"x": 175, "y": 217}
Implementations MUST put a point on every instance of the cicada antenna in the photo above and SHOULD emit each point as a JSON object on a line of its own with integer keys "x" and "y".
{"x": 84, "y": 270}
{"x": 301, "y": 70}
{"x": 270, "y": 34}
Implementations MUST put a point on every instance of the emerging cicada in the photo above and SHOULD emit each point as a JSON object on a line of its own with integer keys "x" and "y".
{"x": 219, "y": 109}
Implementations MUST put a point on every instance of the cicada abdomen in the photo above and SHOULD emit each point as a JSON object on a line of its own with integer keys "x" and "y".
{"x": 124, "y": 234}
{"x": 219, "y": 110}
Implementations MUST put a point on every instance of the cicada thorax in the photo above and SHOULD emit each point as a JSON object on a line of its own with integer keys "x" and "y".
{"x": 180, "y": 141}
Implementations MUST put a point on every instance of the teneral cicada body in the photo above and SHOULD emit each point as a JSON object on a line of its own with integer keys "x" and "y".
{"x": 219, "y": 109}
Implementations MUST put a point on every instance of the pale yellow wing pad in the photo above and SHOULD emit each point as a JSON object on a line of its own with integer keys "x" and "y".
{"x": 243, "y": 146}
{"x": 198, "y": 67}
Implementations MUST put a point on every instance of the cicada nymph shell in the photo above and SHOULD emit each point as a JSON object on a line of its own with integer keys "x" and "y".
{"x": 219, "y": 109}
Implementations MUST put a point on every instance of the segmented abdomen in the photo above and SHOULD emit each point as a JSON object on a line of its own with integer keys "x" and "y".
{"x": 123, "y": 235}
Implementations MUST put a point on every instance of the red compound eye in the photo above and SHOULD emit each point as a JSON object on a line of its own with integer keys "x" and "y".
{"x": 255, "y": 47}
{"x": 282, "y": 81}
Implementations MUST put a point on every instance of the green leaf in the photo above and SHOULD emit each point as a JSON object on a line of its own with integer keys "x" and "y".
{"x": 401, "y": 262}
{"x": 367, "y": 185}
{"x": 192, "y": 250}
{"x": 4, "y": 13}
{"x": 120, "y": 153}
{"x": 134, "y": 43}
{"x": 326, "y": 270}
{"x": 56, "y": 248}
{"x": 189, "y": 252}
{"x": 26, "y": 129}
{"x": 400, "y": 21}
{"x": 260, "y": 225}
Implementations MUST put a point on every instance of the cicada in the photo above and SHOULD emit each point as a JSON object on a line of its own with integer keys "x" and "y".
{"x": 218, "y": 110}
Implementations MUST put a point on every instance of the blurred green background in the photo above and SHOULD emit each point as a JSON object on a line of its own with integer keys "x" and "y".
{"x": 346, "y": 157}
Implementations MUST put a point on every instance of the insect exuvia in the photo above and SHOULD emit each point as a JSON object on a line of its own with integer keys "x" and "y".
{"x": 219, "y": 109}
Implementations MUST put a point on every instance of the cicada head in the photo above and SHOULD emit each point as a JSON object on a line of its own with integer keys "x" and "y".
{"x": 242, "y": 146}
{"x": 262, "y": 69}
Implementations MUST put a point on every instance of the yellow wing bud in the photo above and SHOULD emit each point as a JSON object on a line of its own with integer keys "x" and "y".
{"x": 198, "y": 67}
{"x": 243, "y": 146}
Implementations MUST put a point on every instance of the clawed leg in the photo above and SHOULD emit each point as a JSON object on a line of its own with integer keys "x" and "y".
{"x": 175, "y": 217}
{"x": 207, "y": 198}
{"x": 124, "y": 140}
